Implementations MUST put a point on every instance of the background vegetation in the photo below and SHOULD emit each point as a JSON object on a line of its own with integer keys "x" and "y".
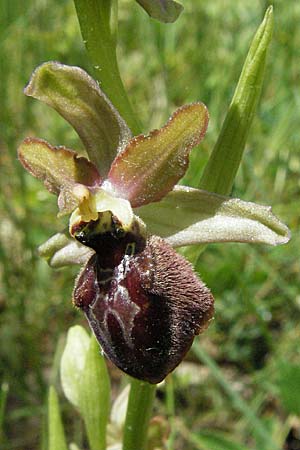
{"x": 242, "y": 378}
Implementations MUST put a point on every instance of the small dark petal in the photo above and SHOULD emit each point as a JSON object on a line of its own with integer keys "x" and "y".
{"x": 85, "y": 290}
{"x": 146, "y": 311}
{"x": 110, "y": 244}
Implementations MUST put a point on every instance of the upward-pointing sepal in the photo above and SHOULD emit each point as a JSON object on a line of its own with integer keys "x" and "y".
{"x": 79, "y": 99}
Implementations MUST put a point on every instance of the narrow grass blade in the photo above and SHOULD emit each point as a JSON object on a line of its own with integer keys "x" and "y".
{"x": 220, "y": 171}
{"x": 3, "y": 400}
{"x": 259, "y": 430}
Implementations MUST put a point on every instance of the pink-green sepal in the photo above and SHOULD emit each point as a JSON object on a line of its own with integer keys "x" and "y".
{"x": 150, "y": 166}
{"x": 60, "y": 169}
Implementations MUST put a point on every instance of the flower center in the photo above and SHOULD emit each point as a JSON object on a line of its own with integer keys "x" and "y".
{"x": 108, "y": 225}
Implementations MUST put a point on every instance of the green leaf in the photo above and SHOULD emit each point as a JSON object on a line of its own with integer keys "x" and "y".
{"x": 94, "y": 400}
{"x": 202, "y": 217}
{"x": 289, "y": 386}
{"x": 149, "y": 167}
{"x": 213, "y": 440}
{"x": 56, "y": 435}
{"x": 220, "y": 171}
{"x": 78, "y": 98}
{"x": 162, "y": 10}
{"x": 61, "y": 250}
{"x": 260, "y": 430}
{"x": 59, "y": 168}
{"x": 73, "y": 363}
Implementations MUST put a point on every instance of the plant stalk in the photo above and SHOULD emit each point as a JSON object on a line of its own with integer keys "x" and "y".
{"x": 138, "y": 415}
{"x": 98, "y": 24}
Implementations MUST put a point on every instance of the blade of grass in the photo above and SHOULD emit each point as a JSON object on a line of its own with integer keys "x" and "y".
{"x": 221, "y": 169}
{"x": 3, "y": 401}
{"x": 209, "y": 440}
{"x": 238, "y": 403}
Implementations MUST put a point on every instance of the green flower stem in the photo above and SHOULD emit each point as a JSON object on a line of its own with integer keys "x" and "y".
{"x": 220, "y": 171}
{"x": 170, "y": 404}
{"x": 98, "y": 24}
{"x": 138, "y": 415}
{"x": 3, "y": 401}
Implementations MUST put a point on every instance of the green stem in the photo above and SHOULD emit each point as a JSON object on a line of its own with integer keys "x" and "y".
{"x": 170, "y": 403}
{"x": 138, "y": 415}
{"x": 98, "y": 24}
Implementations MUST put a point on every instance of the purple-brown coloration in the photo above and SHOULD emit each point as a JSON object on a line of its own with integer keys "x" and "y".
{"x": 145, "y": 307}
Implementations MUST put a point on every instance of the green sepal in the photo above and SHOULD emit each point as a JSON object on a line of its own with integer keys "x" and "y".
{"x": 189, "y": 216}
{"x": 61, "y": 250}
{"x": 79, "y": 99}
{"x": 98, "y": 21}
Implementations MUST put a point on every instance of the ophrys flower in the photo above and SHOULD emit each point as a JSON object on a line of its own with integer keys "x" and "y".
{"x": 143, "y": 300}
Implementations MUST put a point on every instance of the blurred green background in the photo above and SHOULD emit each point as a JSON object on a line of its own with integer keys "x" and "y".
{"x": 254, "y": 339}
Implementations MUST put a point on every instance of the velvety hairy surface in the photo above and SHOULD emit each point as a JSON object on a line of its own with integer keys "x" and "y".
{"x": 146, "y": 310}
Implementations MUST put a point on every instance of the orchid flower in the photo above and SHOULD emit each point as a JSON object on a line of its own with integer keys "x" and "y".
{"x": 141, "y": 298}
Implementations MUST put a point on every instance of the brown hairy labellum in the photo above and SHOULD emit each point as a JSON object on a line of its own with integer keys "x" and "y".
{"x": 145, "y": 307}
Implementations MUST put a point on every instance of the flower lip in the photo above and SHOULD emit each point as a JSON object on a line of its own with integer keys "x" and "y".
{"x": 145, "y": 308}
